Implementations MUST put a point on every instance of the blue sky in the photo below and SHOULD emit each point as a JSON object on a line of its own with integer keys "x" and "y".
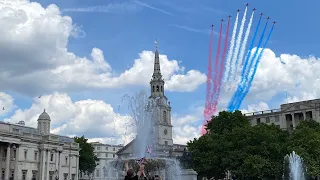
{"x": 123, "y": 29}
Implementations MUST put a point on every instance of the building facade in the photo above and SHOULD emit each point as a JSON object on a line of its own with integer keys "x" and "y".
{"x": 28, "y": 153}
{"x": 105, "y": 154}
{"x": 162, "y": 125}
{"x": 289, "y": 115}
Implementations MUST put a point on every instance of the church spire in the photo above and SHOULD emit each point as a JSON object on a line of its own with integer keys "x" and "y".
{"x": 156, "y": 69}
{"x": 157, "y": 83}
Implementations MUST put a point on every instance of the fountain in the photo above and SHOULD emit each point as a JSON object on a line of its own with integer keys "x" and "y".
{"x": 144, "y": 111}
{"x": 294, "y": 168}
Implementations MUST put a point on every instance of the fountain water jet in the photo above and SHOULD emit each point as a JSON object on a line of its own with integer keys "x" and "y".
{"x": 144, "y": 112}
{"x": 295, "y": 166}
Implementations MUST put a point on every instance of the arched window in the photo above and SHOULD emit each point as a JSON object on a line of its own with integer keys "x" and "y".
{"x": 161, "y": 89}
{"x": 152, "y": 88}
{"x": 165, "y": 116}
{"x": 157, "y": 88}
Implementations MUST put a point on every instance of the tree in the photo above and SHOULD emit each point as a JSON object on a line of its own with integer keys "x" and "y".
{"x": 209, "y": 150}
{"x": 256, "y": 152}
{"x": 87, "y": 160}
{"x": 305, "y": 141}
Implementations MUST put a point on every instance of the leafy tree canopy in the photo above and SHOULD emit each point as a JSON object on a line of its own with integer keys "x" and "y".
{"x": 305, "y": 141}
{"x": 87, "y": 160}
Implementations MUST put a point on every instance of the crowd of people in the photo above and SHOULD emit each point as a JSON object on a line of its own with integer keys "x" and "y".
{"x": 131, "y": 175}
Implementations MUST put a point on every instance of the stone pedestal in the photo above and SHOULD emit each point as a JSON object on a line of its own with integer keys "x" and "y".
{"x": 189, "y": 174}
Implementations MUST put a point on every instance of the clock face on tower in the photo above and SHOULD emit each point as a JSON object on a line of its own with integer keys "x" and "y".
{"x": 165, "y": 132}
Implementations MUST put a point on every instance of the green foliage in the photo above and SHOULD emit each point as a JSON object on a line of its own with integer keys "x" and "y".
{"x": 87, "y": 159}
{"x": 305, "y": 141}
{"x": 231, "y": 144}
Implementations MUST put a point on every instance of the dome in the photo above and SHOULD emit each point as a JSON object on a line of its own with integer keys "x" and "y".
{"x": 44, "y": 116}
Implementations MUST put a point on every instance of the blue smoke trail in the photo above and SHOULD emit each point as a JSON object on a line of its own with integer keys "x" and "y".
{"x": 246, "y": 63}
{"x": 254, "y": 70}
{"x": 237, "y": 97}
{"x": 250, "y": 50}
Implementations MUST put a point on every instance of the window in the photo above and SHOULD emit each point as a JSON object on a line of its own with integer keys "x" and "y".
{"x": 277, "y": 119}
{"x": 98, "y": 148}
{"x": 50, "y": 175}
{"x": 35, "y": 155}
{"x": 106, "y": 154}
{"x": 165, "y": 116}
{"x": 2, "y": 173}
{"x": 161, "y": 88}
{"x": 97, "y": 173}
{"x": 157, "y": 88}
{"x": 12, "y": 173}
{"x": 98, "y": 155}
{"x": 25, "y": 154}
{"x": 113, "y": 155}
{"x": 24, "y": 174}
{"x": 51, "y": 157}
{"x": 106, "y": 148}
{"x": 114, "y": 149}
{"x": 166, "y": 143}
{"x": 73, "y": 177}
{"x": 267, "y": 119}
{"x": 65, "y": 176}
{"x": 14, "y": 153}
{"x": 34, "y": 175}
{"x": 152, "y": 88}
{"x": 66, "y": 158}
{"x": 258, "y": 120}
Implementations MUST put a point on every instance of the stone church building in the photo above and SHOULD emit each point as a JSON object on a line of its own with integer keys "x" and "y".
{"x": 163, "y": 125}
{"x": 28, "y": 153}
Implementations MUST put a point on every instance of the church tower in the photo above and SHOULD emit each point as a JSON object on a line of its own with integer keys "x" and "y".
{"x": 163, "y": 126}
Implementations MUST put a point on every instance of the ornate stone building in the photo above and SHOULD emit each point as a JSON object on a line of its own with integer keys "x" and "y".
{"x": 34, "y": 153}
{"x": 163, "y": 125}
{"x": 289, "y": 115}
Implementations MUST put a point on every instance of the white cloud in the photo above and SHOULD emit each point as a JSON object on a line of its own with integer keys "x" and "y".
{"x": 93, "y": 118}
{"x": 6, "y": 103}
{"x": 34, "y": 42}
{"x": 97, "y": 120}
{"x": 261, "y": 106}
{"x": 299, "y": 76}
{"x": 187, "y": 127}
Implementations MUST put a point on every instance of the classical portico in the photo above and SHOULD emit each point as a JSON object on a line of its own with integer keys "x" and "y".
{"x": 29, "y": 153}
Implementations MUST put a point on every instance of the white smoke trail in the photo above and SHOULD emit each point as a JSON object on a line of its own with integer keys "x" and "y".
{"x": 244, "y": 43}
{"x": 235, "y": 59}
{"x": 231, "y": 49}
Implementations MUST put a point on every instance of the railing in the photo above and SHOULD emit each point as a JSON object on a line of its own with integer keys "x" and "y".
{"x": 262, "y": 112}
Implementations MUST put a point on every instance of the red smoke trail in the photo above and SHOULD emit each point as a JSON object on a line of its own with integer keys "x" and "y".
{"x": 206, "y": 112}
{"x": 222, "y": 65}
{"x": 216, "y": 74}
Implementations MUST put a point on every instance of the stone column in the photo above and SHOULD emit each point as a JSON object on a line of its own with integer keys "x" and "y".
{"x": 293, "y": 121}
{"x": 59, "y": 170}
{"x": 70, "y": 165}
{"x": 16, "y": 169}
{"x": 304, "y": 115}
{"x": 48, "y": 163}
{"x": 57, "y": 159}
{"x": 8, "y": 159}
{"x": 1, "y": 156}
{"x": 77, "y": 167}
{"x": 43, "y": 169}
